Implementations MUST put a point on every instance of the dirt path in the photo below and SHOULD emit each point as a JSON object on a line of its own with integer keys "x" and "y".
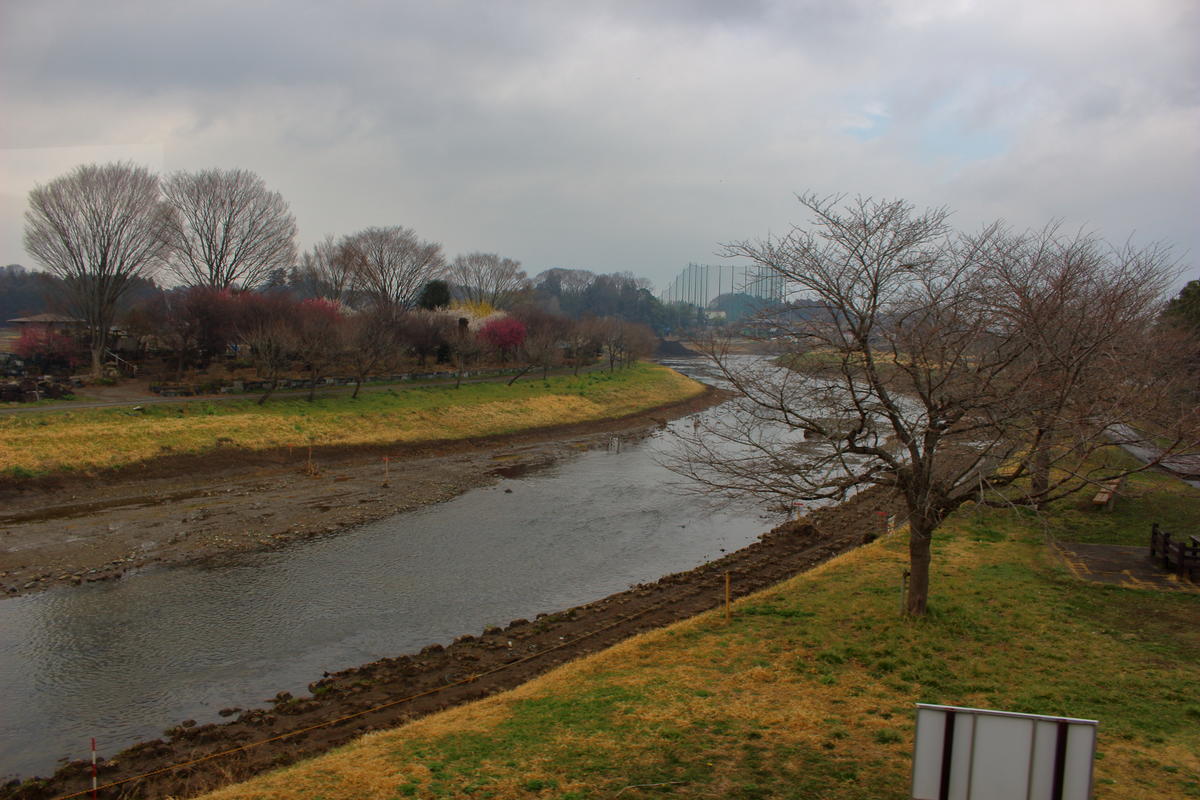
{"x": 391, "y": 691}
{"x": 191, "y": 508}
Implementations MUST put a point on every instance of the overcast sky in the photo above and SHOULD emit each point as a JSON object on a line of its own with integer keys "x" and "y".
{"x": 621, "y": 136}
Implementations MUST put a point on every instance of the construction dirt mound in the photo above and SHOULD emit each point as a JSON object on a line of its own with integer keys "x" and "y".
{"x": 668, "y": 348}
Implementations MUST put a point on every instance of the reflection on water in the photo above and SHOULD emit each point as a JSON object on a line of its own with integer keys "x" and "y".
{"x": 122, "y": 661}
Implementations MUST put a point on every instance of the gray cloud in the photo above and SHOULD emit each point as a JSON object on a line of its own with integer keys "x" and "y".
{"x": 627, "y": 135}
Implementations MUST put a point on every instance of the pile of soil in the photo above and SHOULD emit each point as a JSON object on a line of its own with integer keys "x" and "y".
{"x": 669, "y": 348}
{"x": 392, "y": 691}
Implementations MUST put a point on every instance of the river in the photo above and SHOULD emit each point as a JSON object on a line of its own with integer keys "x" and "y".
{"x": 121, "y": 661}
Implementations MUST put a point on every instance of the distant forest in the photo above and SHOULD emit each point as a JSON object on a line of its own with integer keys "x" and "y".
{"x": 573, "y": 293}
{"x": 24, "y": 292}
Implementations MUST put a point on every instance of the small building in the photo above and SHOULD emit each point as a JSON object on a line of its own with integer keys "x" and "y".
{"x": 59, "y": 323}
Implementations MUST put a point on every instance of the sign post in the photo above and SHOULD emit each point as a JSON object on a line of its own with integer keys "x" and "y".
{"x": 977, "y": 754}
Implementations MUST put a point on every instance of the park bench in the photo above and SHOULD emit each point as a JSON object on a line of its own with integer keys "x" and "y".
{"x": 1108, "y": 494}
{"x": 1175, "y": 553}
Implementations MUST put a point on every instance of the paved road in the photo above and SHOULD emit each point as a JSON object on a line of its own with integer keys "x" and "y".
{"x": 1185, "y": 466}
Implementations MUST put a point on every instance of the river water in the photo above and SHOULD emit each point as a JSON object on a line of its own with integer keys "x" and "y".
{"x": 121, "y": 661}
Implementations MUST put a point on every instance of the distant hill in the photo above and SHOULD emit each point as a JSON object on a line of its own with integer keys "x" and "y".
{"x": 23, "y": 292}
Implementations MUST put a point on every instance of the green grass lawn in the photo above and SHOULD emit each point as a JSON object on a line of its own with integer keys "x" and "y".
{"x": 810, "y": 690}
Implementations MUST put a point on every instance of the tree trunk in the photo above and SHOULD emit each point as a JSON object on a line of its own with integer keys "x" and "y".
{"x": 919, "y": 556}
{"x": 357, "y": 385}
{"x": 519, "y": 374}
{"x": 99, "y": 345}
{"x": 262, "y": 400}
{"x": 98, "y": 361}
{"x": 1040, "y": 478}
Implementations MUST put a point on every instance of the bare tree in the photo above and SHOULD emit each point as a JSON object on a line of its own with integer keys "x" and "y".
{"x": 328, "y": 269}
{"x": 373, "y": 336}
{"x": 561, "y": 280}
{"x": 392, "y": 265}
{"x": 545, "y": 334}
{"x": 639, "y": 343}
{"x": 268, "y": 324}
{"x": 486, "y": 278}
{"x": 425, "y": 332}
{"x": 320, "y": 338}
{"x": 915, "y": 369}
{"x": 228, "y": 228}
{"x": 1083, "y": 311}
{"x": 583, "y": 341}
{"x": 97, "y": 228}
{"x": 466, "y": 348}
{"x": 611, "y": 334}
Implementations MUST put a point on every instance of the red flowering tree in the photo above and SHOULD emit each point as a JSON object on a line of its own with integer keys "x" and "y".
{"x": 505, "y": 334}
{"x": 47, "y": 348}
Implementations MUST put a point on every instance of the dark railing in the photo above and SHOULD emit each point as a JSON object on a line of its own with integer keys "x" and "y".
{"x": 1174, "y": 553}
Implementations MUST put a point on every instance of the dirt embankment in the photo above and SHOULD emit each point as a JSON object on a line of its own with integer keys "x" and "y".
{"x": 183, "y": 509}
{"x": 391, "y": 691}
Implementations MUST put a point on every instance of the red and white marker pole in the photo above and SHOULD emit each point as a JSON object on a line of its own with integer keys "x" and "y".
{"x": 94, "y": 767}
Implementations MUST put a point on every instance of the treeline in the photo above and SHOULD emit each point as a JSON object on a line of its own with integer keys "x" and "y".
{"x": 103, "y": 232}
{"x": 278, "y": 334}
{"x": 572, "y": 293}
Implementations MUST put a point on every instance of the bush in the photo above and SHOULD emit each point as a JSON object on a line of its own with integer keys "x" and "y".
{"x": 47, "y": 348}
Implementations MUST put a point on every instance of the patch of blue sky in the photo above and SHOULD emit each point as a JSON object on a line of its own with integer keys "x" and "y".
{"x": 977, "y": 122}
{"x": 870, "y": 124}
{"x": 953, "y": 142}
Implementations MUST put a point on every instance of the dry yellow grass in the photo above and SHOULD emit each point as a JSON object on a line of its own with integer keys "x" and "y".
{"x": 86, "y": 440}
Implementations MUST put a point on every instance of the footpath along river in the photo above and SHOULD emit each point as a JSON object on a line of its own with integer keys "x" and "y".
{"x": 122, "y": 661}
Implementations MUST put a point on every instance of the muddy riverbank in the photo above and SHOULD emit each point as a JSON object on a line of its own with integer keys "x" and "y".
{"x": 389, "y": 692}
{"x": 189, "y": 509}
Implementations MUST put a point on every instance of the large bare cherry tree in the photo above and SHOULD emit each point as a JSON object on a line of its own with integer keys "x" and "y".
{"x": 486, "y": 278}
{"x": 327, "y": 270}
{"x": 391, "y": 265}
{"x": 949, "y": 368}
{"x": 228, "y": 228}
{"x": 96, "y": 228}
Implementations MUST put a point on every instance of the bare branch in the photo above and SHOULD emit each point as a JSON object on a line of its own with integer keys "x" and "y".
{"x": 937, "y": 363}
{"x": 97, "y": 227}
{"x": 228, "y": 229}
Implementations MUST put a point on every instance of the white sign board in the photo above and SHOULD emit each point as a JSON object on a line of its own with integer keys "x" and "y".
{"x": 976, "y": 754}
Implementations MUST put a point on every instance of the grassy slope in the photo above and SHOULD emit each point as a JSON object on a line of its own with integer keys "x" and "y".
{"x": 809, "y": 692}
{"x": 100, "y": 438}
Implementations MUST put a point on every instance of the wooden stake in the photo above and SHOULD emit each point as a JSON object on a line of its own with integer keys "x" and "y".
{"x": 94, "y": 767}
{"x": 728, "y": 609}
